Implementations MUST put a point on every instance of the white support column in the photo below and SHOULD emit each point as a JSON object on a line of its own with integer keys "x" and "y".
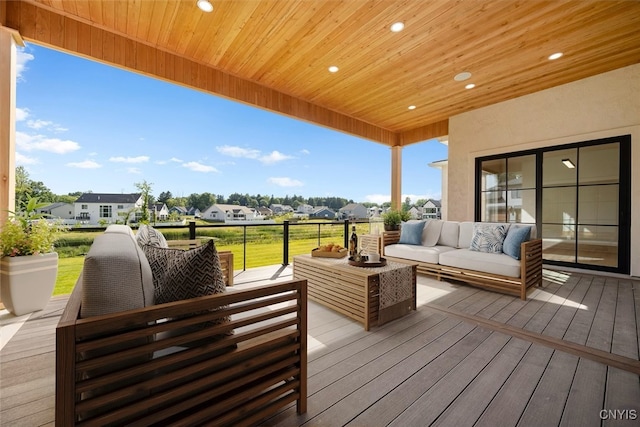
{"x": 396, "y": 177}
{"x": 8, "y": 55}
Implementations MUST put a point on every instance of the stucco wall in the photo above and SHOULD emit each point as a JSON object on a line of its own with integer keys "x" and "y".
{"x": 597, "y": 107}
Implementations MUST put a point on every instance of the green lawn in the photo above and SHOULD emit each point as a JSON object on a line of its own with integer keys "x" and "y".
{"x": 264, "y": 247}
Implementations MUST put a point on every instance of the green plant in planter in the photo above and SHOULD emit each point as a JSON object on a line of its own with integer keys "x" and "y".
{"x": 393, "y": 218}
{"x": 28, "y": 263}
{"x": 28, "y": 232}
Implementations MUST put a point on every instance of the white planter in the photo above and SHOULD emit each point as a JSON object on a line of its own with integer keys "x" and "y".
{"x": 27, "y": 282}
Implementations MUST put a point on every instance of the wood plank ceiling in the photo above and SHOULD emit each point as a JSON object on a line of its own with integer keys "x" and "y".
{"x": 275, "y": 54}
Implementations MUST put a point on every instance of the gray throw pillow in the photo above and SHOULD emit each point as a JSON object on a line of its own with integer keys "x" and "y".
{"x": 184, "y": 274}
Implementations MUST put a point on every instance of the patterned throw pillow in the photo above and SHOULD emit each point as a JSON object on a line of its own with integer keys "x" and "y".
{"x": 184, "y": 274}
{"x": 488, "y": 237}
{"x": 148, "y": 235}
{"x": 180, "y": 274}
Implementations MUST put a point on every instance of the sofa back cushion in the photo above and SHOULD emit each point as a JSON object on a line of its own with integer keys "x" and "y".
{"x": 449, "y": 234}
{"x": 466, "y": 234}
{"x": 431, "y": 232}
{"x": 116, "y": 276}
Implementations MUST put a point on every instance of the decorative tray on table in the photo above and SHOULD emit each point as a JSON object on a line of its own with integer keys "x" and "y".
{"x": 364, "y": 262}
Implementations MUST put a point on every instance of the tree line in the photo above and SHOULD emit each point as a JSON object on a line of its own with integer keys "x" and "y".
{"x": 26, "y": 188}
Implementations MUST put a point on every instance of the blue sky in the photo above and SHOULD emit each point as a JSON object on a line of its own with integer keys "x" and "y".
{"x": 85, "y": 126}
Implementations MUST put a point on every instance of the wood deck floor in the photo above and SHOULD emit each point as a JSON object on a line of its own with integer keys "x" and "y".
{"x": 466, "y": 357}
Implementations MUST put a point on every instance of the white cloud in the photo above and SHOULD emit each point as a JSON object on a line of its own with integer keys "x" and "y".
{"x": 22, "y": 58}
{"x": 121, "y": 159}
{"x": 39, "y": 124}
{"x": 377, "y": 198}
{"x": 199, "y": 167}
{"x": 174, "y": 159}
{"x": 87, "y": 164}
{"x": 135, "y": 171}
{"x": 21, "y": 114}
{"x": 285, "y": 182}
{"x": 251, "y": 153}
{"x": 274, "y": 157}
{"x": 40, "y": 142}
{"x": 305, "y": 151}
{"x": 383, "y": 198}
{"x": 234, "y": 151}
{"x": 21, "y": 159}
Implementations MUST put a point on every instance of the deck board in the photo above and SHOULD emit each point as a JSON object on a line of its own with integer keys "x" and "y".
{"x": 457, "y": 360}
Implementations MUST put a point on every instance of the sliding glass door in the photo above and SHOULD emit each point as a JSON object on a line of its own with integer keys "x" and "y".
{"x": 578, "y": 196}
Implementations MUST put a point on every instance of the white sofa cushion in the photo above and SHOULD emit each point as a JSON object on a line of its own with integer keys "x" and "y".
{"x": 429, "y": 254}
{"x": 431, "y": 232}
{"x": 449, "y": 234}
{"x": 493, "y": 263}
{"x": 465, "y": 234}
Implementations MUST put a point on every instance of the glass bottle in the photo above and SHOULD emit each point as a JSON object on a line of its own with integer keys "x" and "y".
{"x": 353, "y": 243}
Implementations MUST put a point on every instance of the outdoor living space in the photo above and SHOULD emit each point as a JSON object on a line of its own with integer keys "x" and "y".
{"x": 566, "y": 356}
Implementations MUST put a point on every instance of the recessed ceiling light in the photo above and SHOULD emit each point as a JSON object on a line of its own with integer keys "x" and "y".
{"x": 333, "y": 69}
{"x": 470, "y": 86}
{"x": 462, "y": 76}
{"x": 205, "y": 5}
{"x": 555, "y": 56}
{"x": 397, "y": 27}
{"x": 412, "y": 107}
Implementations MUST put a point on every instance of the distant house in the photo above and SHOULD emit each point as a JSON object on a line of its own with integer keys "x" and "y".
{"x": 57, "y": 210}
{"x": 195, "y": 212}
{"x": 322, "y": 212}
{"x": 265, "y": 211}
{"x": 226, "y": 213}
{"x": 279, "y": 209}
{"x": 159, "y": 212}
{"x": 178, "y": 210}
{"x": 432, "y": 209}
{"x": 354, "y": 211}
{"x": 415, "y": 212}
{"x": 304, "y": 209}
{"x": 94, "y": 208}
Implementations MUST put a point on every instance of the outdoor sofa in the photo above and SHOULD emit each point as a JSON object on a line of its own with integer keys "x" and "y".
{"x": 230, "y": 358}
{"x": 501, "y": 257}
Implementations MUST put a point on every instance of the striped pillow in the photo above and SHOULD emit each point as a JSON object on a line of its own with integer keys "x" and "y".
{"x": 488, "y": 237}
{"x": 148, "y": 235}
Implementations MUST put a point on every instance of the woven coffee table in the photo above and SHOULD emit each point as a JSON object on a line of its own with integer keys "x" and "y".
{"x": 371, "y": 296}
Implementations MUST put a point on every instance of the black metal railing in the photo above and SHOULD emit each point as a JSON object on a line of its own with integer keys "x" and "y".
{"x": 256, "y": 244}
